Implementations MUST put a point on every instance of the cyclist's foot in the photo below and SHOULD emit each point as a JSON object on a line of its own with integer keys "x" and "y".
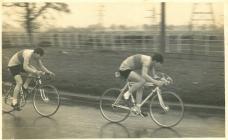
{"x": 16, "y": 107}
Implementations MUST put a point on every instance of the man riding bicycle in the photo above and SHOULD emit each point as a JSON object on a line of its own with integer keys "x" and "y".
{"x": 21, "y": 62}
{"x": 146, "y": 64}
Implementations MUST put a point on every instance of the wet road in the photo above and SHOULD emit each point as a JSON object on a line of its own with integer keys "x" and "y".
{"x": 80, "y": 120}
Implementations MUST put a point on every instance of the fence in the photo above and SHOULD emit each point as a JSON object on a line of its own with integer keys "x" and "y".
{"x": 176, "y": 42}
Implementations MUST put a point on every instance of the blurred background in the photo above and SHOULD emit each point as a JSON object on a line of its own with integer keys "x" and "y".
{"x": 85, "y": 42}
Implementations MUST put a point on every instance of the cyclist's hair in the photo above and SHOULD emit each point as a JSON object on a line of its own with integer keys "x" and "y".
{"x": 39, "y": 51}
{"x": 158, "y": 58}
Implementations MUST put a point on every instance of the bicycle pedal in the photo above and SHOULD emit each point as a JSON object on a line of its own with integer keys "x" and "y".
{"x": 18, "y": 109}
{"x": 144, "y": 114}
{"x": 46, "y": 100}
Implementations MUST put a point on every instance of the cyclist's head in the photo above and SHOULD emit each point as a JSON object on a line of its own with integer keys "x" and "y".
{"x": 39, "y": 52}
{"x": 157, "y": 57}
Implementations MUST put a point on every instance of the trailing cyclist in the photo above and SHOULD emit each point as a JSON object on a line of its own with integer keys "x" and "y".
{"x": 19, "y": 63}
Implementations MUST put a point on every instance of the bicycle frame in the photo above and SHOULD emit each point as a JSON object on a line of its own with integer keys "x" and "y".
{"x": 38, "y": 82}
{"x": 154, "y": 91}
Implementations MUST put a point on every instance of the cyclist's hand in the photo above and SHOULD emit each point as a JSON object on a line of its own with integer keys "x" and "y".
{"x": 51, "y": 73}
{"x": 170, "y": 80}
{"x": 160, "y": 83}
{"x": 39, "y": 73}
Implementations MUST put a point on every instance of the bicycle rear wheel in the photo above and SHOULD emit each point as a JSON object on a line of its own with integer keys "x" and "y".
{"x": 108, "y": 110}
{"x": 46, "y": 100}
{"x": 7, "y": 93}
{"x": 175, "y": 111}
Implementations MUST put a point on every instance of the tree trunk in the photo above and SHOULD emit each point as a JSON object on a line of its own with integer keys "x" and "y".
{"x": 28, "y": 24}
{"x": 29, "y": 32}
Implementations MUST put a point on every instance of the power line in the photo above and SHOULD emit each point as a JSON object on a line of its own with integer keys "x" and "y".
{"x": 202, "y": 16}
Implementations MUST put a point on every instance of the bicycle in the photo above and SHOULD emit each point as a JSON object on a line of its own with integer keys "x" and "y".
{"x": 46, "y": 98}
{"x": 166, "y": 108}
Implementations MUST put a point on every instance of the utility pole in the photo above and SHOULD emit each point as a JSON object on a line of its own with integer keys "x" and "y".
{"x": 162, "y": 29}
{"x": 153, "y": 19}
{"x": 202, "y": 15}
{"x": 100, "y": 14}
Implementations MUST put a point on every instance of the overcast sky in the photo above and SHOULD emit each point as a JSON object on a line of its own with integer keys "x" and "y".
{"x": 122, "y": 13}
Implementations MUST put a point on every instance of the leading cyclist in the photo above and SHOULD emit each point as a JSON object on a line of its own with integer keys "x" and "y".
{"x": 144, "y": 63}
{"x": 21, "y": 62}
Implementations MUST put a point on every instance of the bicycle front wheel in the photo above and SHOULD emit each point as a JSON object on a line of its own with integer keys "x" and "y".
{"x": 7, "y": 93}
{"x": 173, "y": 113}
{"x": 46, "y": 100}
{"x": 112, "y": 106}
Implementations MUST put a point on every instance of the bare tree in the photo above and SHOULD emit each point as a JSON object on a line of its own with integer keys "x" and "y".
{"x": 32, "y": 11}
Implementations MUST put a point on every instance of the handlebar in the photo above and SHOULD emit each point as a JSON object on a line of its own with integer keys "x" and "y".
{"x": 46, "y": 77}
{"x": 164, "y": 77}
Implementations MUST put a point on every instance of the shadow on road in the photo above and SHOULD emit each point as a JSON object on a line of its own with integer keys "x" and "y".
{"x": 166, "y": 132}
{"x": 45, "y": 121}
{"x": 114, "y": 130}
{"x": 117, "y": 130}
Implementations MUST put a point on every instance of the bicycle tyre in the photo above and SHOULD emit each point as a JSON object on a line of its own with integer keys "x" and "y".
{"x": 7, "y": 93}
{"x": 48, "y": 105}
{"x": 110, "y": 113}
{"x": 175, "y": 112}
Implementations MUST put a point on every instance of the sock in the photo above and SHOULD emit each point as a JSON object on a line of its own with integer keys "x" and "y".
{"x": 127, "y": 95}
{"x": 14, "y": 101}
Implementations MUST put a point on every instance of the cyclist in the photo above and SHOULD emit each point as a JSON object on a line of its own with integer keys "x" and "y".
{"x": 21, "y": 62}
{"x": 144, "y": 63}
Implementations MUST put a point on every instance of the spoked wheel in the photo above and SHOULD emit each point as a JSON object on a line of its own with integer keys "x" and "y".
{"x": 46, "y": 100}
{"x": 173, "y": 112}
{"x": 7, "y": 95}
{"x": 110, "y": 111}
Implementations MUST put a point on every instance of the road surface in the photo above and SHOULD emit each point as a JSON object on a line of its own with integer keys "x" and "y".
{"x": 82, "y": 119}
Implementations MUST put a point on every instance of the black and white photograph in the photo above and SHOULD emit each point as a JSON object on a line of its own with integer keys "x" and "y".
{"x": 92, "y": 69}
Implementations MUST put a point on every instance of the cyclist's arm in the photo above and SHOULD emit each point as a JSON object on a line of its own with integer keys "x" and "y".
{"x": 26, "y": 66}
{"x": 153, "y": 73}
{"x": 42, "y": 67}
{"x": 145, "y": 71}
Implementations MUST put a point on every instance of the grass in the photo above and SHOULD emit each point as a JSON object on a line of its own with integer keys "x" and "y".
{"x": 198, "y": 79}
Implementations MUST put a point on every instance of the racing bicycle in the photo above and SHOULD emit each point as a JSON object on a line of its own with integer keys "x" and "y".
{"x": 166, "y": 108}
{"x": 46, "y": 98}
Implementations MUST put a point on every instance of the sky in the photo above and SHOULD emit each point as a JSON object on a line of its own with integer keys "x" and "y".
{"x": 125, "y": 13}
{"x": 132, "y": 14}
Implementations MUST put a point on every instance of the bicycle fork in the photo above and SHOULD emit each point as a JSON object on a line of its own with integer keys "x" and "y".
{"x": 42, "y": 93}
{"x": 165, "y": 108}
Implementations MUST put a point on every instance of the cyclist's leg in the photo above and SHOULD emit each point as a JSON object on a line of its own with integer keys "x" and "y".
{"x": 17, "y": 88}
{"x": 140, "y": 81}
{"x": 139, "y": 95}
{"x": 28, "y": 80}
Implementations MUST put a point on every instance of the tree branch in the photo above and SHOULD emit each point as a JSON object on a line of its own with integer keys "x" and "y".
{"x": 14, "y": 4}
{"x": 41, "y": 10}
{"x": 20, "y": 4}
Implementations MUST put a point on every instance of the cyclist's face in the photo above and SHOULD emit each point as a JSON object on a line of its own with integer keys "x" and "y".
{"x": 37, "y": 56}
{"x": 157, "y": 64}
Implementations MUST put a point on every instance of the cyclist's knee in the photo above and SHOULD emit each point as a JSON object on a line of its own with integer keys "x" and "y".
{"x": 142, "y": 81}
{"x": 18, "y": 80}
{"x": 19, "y": 83}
